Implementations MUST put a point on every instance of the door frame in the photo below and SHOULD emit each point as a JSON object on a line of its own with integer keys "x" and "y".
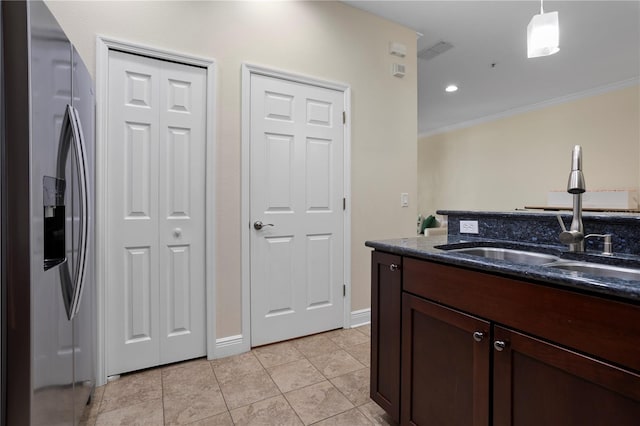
{"x": 103, "y": 46}
{"x": 248, "y": 70}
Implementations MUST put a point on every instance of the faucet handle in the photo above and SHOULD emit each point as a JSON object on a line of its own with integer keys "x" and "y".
{"x": 569, "y": 237}
{"x": 564, "y": 228}
{"x": 607, "y": 245}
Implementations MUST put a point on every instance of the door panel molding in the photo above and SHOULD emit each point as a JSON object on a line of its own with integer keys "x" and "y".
{"x": 103, "y": 46}
{"x": 279, "y": 106}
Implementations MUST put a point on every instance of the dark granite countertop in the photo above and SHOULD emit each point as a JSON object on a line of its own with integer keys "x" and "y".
{"x": 427, "y": 248}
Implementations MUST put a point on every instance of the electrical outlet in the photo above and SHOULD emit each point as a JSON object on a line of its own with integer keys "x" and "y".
{"x": 468, "y": 226}
{"x": 404, "y": 199}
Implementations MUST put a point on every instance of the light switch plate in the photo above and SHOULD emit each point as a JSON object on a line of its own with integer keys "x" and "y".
{"x": 468, "y": 226}
{"x": 404, "y": 199}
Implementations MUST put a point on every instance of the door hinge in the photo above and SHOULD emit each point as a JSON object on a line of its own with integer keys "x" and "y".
{"x": 344, "y": 117}
{"x": 344, "y": 204}
{"x": 344, "y": 290}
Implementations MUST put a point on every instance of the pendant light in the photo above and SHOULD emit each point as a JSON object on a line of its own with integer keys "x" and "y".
{"x": 543, "y": 34}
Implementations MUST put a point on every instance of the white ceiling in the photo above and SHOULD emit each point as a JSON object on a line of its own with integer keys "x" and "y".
{"x": 599, "y": 49}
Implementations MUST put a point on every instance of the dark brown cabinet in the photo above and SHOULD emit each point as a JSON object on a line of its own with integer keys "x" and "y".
{"x": 482, "y": 349}
{"x": 445, "y": 360}
{"x": 386, "y": 294}
{"x": 538, "y": 383}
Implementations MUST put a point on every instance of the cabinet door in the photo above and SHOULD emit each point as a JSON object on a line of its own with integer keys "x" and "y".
{"x": 386, "y": 293}
{"x": 445, "y": 365}
{"x": 537, "y": 383}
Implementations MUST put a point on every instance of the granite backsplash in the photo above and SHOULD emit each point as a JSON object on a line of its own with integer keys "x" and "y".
{"x": 543, "y": 228}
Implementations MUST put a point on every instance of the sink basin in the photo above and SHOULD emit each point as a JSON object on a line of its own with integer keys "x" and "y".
{"x": 510, "y": 255}
{"x": 550, "y": 261}
{"x": 600, "y": 270}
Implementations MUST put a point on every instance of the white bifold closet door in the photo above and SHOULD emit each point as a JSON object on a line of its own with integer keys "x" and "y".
{"x": 156, "y": 191}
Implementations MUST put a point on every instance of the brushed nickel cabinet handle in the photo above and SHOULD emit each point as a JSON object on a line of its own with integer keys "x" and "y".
{"x": 499, "y": 345}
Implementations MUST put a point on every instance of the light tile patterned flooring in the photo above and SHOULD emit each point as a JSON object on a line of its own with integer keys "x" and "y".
{"x": 321, "y": 380}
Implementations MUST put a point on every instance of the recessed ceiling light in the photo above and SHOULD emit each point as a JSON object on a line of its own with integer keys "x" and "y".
{"x": 451, "y": 88}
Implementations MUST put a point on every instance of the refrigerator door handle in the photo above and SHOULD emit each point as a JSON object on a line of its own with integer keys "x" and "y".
{"x": 71, "y": 135}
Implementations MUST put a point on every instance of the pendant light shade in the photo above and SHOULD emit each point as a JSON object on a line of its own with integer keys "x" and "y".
{"x": 543, "y": 35}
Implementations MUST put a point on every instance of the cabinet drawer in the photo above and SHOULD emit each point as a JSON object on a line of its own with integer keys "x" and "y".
{"x": 604, "y": 328}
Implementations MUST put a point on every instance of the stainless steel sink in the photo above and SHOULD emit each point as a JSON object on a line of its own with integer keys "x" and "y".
{"x": 510, "y": 255}
{"x": 551, "y": 261}
{"x": 599, "y": 269}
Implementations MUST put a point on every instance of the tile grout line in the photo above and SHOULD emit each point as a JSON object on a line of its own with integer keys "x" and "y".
{"x": 213, "y": 370}
{"x": 283, "y": 394}
{"x": 244, "y": 375}
{"x": 293, "y": 409}
{"x": 327, "y": 379}
{"x": 274, "y": 383}
{"x": 164, "y": 417}
{"x": 287, "y": 399}
{"x": 356, "y": 407}
{"x": 305, "y": 357}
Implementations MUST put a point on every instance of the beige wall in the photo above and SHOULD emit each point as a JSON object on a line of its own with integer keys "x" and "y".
{"x": 514, "y": 161}
{"x": 323, "y": 39}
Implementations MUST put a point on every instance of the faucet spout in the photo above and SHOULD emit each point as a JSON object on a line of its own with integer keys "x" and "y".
{"x": 576, "y": 183}
{"x": 574, "y": 237}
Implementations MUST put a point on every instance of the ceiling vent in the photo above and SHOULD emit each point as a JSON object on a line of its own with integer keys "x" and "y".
{"x": 435, "y": 50}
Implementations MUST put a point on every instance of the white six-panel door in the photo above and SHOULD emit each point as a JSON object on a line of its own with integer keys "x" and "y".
{"x": 156, "y": 193}
{"x": 296, "y": 191}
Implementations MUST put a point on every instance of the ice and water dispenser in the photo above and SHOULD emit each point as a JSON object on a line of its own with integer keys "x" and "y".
{"x": 54, "y": 222}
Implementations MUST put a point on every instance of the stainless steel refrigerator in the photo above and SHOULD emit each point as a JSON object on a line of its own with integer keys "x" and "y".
{"x": 48, "y": 278}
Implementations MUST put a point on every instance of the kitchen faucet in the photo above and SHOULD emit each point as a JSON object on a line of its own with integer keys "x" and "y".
{"x": 575, "y": 235}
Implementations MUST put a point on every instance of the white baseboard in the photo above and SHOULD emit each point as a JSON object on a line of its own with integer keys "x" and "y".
{"x": 361, "y": 317}
{"x": 234, "y": 345}
{"x": 231, "y": 345}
